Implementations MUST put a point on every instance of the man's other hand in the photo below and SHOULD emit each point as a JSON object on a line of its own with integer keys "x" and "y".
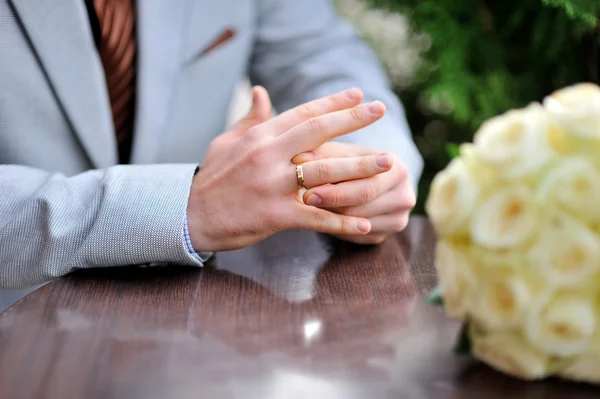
{"x": 386, "y": 199}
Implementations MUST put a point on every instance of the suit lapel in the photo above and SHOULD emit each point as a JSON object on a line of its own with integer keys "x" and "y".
{"x": 160, "y": 25}
{"x": 60, "y": 34}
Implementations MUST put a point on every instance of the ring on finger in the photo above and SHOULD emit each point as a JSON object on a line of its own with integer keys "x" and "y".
{"x": 300, "y": 176}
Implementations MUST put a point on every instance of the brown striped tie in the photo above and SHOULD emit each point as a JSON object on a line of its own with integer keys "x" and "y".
{"x": 118, "y": 54}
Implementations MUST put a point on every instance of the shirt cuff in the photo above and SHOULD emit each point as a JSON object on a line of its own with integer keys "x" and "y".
{"x": 201, "y": 256}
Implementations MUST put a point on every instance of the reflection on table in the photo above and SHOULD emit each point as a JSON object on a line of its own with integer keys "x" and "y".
{"x": 299, "y": 315}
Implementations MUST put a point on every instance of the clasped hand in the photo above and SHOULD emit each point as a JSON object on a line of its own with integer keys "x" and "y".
{"x": 247, "y": 189}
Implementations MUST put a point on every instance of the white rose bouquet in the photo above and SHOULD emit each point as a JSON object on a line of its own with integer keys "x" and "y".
{"x": 517, "y": 214}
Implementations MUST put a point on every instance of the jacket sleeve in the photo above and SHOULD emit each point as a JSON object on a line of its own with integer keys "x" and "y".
{"x": 304, "y": 51}
{"x": 51, "y": 225}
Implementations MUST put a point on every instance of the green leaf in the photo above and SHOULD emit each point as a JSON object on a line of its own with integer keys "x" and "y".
{"x": 453, "y": 150}
{"x": 435, "y": 297}
{"x": 481, "y": 58}
{"x": 585, "y": 10}
{"x": 462, "y": 347}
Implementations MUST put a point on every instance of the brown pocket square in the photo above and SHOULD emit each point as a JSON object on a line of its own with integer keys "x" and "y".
{"x": 223, "y": 38}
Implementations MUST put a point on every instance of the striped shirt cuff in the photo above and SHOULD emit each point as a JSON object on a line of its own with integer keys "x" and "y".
{"x": 201, "y": 256}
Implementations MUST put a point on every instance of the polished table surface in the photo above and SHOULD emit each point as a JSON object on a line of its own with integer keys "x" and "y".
{"x": 297, "y": 316}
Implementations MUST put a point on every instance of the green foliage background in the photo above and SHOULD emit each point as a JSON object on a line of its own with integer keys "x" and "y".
{"x": 488, "y": 56}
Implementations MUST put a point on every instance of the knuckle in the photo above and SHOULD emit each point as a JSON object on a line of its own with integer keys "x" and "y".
{"x": 332, "y": 101}
{"x": 256, "y": 153}
{"x": 217, "y": 143}
{"x": 273, "y": 179}
{"x": 260, "y": 190}
{"x": 259, "y": 154}
{"x": 411, "y": 201}
{"x": 324, "y": 171}
{"x": 320, "y": 222}
{"x": 305, "y": 110}
{"x": 254, "y": 133}
{"x": 314, "y": 125}
{"x": 364, "y": 166}
{"x": 346, "y": 225}
{"x": 338, "y": 199}
{"x": 219, "y": 139}
{"x": 356, "y": 115}
{"x": 405, "y": 199}
{"x": 367, "y": 194}
{"x": 401, "y": 171}
{"x": 400, "y": 223}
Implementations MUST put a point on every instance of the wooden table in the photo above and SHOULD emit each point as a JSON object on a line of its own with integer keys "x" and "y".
{"x": 298, "y": 316}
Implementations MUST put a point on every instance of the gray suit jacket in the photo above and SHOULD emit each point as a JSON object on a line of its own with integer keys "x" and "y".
{"x": 66, "y": 204}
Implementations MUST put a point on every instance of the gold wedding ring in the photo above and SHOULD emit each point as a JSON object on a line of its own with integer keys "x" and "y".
{"x": 300, "y": 176}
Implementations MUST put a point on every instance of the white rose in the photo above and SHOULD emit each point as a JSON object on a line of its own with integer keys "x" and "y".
{"x": 567, "y": 253}
{"x": 511, "y": 354}
{"x": 508, "y": 218}
{"x": 452, "y": 196}
{"x": 577, "y": 109}
{"x": 517, "y": 142}
{"x": 563, "y": 326}
{"x": 501, "y": 302}
{"x": 456, "y": 279}
{"x": 498, "y": 258}
{"x": 484, "y": 174}
{"x": 585, "y": 368}
{"x": 574, "y": 184}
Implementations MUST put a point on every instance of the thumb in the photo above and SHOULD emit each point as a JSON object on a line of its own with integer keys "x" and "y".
{"x": 327, "y": 222}
{"x": 259, "y": 113}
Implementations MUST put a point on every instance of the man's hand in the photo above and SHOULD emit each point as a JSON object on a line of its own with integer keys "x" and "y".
{"x": 385, "y": 199}
{"x": 246, "y": 189}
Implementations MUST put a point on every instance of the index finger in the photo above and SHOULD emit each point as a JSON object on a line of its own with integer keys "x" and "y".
{"x": 324, "y": 105}
{"x": 314, "y": 132}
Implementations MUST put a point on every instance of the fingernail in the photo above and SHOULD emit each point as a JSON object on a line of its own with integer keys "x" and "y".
{"x": 376, "y": 107}
{"x": 383, "y": 161}
{"x": 353, "y": 94}
{"x": 314, "y": 200}
{"x": 364, "y": 226}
